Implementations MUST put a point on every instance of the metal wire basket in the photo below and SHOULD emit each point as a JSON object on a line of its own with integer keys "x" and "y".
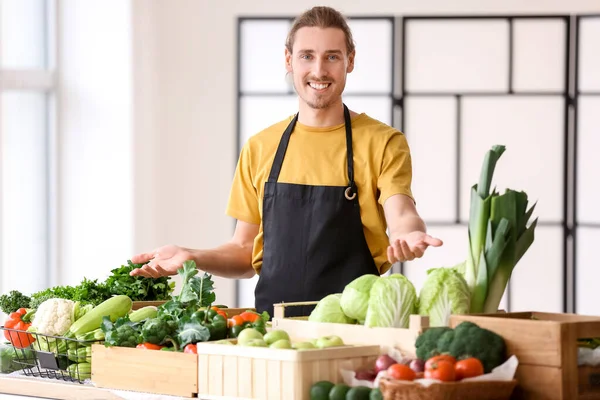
{"x": 52, "y": 357}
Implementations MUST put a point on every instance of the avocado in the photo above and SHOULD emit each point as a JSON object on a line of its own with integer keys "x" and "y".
{"x": 338, "y": 392}
{"x": 376, "y": 394}
{"x": 320, "y": 390}
{"x": 358, "y": 393}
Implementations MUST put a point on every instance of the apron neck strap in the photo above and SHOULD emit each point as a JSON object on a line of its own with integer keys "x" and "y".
{"x": 285, "y": 139}
{"x": 349, "y": 153}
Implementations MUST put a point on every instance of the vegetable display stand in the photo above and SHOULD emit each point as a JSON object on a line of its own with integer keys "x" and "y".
{"x": 403, "y": 339}
{"x": 51, "y": 357}
{"x": 148, "y": 371}
{"x": 547, "y": 349}
{"x": 483, "y": 390}
{"x": 226, "y": 372}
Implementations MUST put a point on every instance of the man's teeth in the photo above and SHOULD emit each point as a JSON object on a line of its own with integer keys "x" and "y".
{"x": 318, "y": 86}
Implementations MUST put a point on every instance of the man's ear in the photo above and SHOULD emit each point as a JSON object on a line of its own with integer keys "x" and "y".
{"x": 350, "y": 67}
{"x": 288, "y": 60}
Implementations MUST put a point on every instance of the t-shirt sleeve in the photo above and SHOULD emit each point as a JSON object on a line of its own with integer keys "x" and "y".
{"x": 396, "y": 169}
{"x": 243, "y": 197}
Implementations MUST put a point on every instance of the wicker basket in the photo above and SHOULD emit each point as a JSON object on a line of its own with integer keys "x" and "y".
{"x": 473, "y": 390}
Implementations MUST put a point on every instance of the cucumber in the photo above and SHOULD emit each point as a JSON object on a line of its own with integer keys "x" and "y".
{"x": 115, "y": 307}
{"x": 94, "y": 335}
{"x": 80, "y": 371}
{"x": 143, "y": 313}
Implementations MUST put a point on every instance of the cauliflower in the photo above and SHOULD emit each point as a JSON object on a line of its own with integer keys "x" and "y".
{"x": 54, "y": 317}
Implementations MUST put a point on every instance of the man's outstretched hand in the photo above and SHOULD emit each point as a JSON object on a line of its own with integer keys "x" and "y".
{"x": 164, "y": 261}
{"x": 410, "y": 246}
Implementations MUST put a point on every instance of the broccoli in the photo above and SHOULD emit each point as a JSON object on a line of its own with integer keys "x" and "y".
{"x": 470, "y": 340}
{"x": 426, "y": 343}
{"x": 157, "y": 331}
{"x": 123, "y": 333}
{"x": 12, "y": 301}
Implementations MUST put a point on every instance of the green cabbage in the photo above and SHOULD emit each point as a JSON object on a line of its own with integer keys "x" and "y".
{"x": 444, "y": 292}
{"x": 328, "y": 309}
{"x": 392, "y": 301}
{"x": 355, "y": 297}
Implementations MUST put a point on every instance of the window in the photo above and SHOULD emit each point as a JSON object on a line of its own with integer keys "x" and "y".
{"x": 27, "y": 165}
{"x": 458, "y": 85}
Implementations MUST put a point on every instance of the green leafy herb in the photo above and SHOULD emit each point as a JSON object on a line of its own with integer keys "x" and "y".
{"x": 87, "y": 292}
{"x": 191, "y": 330}
{"x": 137, "y": 288}
{"x": 12, "y": 301}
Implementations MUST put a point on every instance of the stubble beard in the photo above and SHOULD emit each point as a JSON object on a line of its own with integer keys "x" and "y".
{"x": 319, "y": 102}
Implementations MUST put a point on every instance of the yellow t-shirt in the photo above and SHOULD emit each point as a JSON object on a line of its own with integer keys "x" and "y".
{"x": 317, "y": 156}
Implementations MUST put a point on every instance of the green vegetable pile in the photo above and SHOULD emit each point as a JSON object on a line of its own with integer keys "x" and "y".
{"x": 180, "y": 321}
{"x": 119, "y": 282}
{"x": 370, "y": 300}
{"x": 466, "y": 340}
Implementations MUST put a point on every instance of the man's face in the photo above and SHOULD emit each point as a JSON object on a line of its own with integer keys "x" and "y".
{"x": 319, "y": 64}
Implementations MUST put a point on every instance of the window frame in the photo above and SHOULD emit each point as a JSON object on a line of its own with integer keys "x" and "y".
{"x": 44, "y": 81}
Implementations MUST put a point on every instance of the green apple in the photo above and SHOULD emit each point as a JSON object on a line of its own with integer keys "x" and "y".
{"x": 281, "y": 344}
{"x": 276, "y": 335}
{"x": 329, "y": 341}
{"x": 302, "y": 345}
{"x": 254, "y": 343}
{"x": 249, "y": 334}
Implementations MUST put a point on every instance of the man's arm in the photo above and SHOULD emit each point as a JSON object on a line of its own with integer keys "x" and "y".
{"x": 232, "y": 259}
{"x": 407, "y": 231}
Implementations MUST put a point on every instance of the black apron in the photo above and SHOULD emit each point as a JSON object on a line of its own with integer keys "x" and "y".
{"x": 313, "y": 239}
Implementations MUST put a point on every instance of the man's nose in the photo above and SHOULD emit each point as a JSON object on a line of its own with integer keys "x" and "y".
{"x": 320, "y": 69}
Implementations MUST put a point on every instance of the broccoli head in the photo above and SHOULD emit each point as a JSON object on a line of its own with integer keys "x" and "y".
{"x": 123, "y": 332}
{"x": 426, "y": 343}
{"x": 470, "y": 340}
{"x": 157, "y": 331}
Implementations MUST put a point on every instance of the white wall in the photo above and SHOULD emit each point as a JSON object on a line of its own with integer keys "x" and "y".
{"x": 185, "y": 97}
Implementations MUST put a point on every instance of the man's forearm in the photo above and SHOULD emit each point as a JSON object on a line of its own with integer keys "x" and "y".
{"x": 407, "y": 224}
{"x": 230, "y": 260}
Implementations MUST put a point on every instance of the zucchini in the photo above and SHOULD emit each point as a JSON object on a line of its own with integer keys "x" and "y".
{"x": 115, "y": 307}
{"x": 143, "y": 313}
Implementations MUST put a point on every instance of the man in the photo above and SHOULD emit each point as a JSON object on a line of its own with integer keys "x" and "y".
{"x": 314, "y": 194}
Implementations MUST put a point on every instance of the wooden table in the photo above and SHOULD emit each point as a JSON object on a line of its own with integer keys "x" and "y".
{"x": 41, "y": 388}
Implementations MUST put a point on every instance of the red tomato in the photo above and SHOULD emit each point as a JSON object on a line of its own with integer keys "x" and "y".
{"x": 190, "y": 348}
{"x": 441, "y": 370}
{"x": 441, "y": 357}
{"x": 401, "y": 372}
{"x": 148, "y": 346}
{"x": 468, "y": 368}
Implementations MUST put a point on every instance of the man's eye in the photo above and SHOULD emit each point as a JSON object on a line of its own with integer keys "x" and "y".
{"x": 333, "y": 57}
{"x": 305, "y": 56}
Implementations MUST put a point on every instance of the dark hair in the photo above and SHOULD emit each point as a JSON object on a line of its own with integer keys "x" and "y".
{"x": 321, "y": 17}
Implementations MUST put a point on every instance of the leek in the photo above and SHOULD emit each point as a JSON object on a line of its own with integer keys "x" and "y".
{"x": 498, "y": 237}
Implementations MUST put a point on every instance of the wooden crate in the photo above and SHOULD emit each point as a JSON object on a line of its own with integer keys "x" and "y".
{"x": 149, "y": 371}
{"x": 141, "y": 304}
{"x": 226, "y": 372}
{"x": 546, "y": 346}
{"x": 229, "y": 311}
{"x": 402, "y": 339}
